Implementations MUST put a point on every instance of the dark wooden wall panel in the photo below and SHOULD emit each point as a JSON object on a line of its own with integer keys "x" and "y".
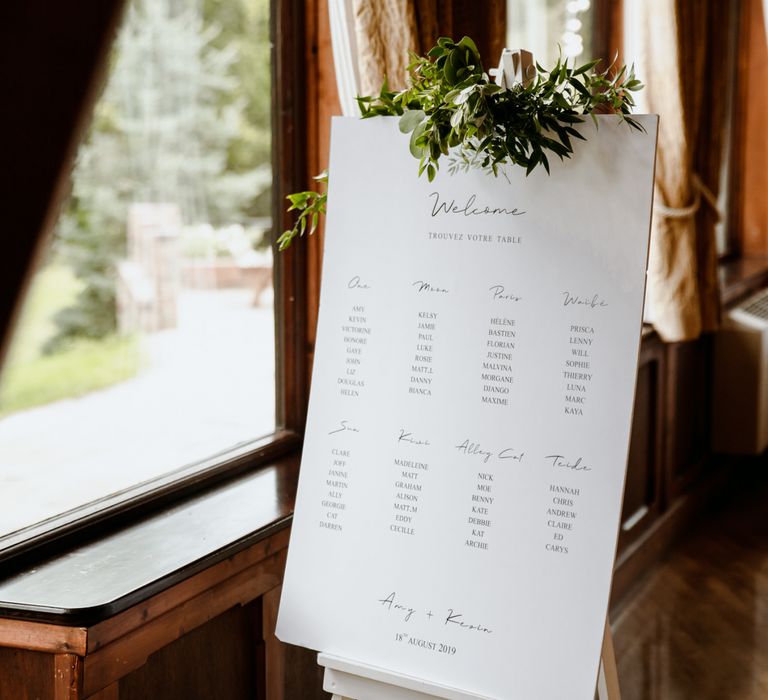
{"x": 486, "y": 23}
{"x": 304, "y": 678}
{"x": 687, "y": 412}
{"x": 640, "y": 489}
{"x": 26, "y": 675}
{"x": 643, "y": 492}
{"x": 219, "y": 659}
{"x": 672, "y": 476}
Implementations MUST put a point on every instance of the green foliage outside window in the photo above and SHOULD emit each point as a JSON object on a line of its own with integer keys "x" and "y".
{"x": 185, "y": 118}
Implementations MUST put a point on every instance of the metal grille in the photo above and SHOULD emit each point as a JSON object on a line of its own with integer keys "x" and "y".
{"x": 757, "y": 306}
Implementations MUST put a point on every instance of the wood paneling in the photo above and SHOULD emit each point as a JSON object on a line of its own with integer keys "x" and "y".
{"x": 111, "y": 692}
{"x": 322, "y": 104}
{"x": 68, "y": 677}
{"x": 672, "y": 474}
{"x": 305, "y": 680}
{"x": 274, "y": 648}
{"x": 215, "y": 660}
{"x": 750, "y": 174}
{"x": 642, "y": 491}
{"x": 289, "y": 166}
{"x": 204, "y": 637}
{"x": 131, "y": 651}
{"x": 26, "y": 675}
{"x": 120, "y": 625}
{"x": 608, "y": 31}
{"x": 485, "y": 22}
{"x": 42, "y": 637}
{"x": 686, "y": 413}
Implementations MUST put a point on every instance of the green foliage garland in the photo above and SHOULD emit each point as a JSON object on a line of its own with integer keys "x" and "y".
{"x": 453, "y": 109}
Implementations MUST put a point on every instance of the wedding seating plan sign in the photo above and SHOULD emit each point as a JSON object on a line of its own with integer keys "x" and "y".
{"x": 464, "y": 461}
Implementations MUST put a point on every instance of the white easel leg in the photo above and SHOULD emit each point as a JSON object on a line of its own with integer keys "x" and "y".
{"x": 608, "y": 677}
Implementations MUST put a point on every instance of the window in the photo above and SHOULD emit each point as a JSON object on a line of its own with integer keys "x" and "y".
{"x": 145, "y": 352}
{"x": 549, "y": 27}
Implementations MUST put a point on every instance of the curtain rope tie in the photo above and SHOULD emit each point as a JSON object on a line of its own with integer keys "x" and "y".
{"x": 699, "y": 188}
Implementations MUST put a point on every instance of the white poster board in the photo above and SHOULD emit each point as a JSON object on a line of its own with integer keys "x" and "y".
{"x": 468, "y": 430}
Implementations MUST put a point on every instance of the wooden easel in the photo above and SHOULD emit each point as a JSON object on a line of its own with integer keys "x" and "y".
{"x": 349, "y": 680}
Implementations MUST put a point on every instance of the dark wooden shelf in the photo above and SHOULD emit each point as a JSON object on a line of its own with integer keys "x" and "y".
{"x": 99, "y": 579}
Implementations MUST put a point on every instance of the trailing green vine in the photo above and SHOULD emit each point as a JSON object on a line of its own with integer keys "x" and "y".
{"x": 310, "y": 205}
{"x": 453, "y": 110}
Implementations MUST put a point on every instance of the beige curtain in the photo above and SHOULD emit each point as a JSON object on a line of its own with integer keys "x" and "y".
{"x": 387, "y": 31}
{"x": 684, "y": 49}
{"x": 386, "y": 34}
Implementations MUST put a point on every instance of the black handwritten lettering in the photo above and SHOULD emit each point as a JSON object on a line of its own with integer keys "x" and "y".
{"x": 593, "y": 302}
{"x": 390, "y": 604}
{"x": 357, "y": 283}
{"x": 344, "y": 426}
{"x": 468, "y": 209}
{"x": 455, "y": 618}
{"x": 563, "y": 463}
{"x": 408, "y": 437}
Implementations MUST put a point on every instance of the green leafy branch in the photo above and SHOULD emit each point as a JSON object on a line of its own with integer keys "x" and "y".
{"x": 310, "y": 205}
{"x": 453, "y": 109}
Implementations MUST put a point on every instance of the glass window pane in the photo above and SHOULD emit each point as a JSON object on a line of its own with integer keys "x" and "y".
{"x": 146, "y": 342}
{"x": 548, "y": 27}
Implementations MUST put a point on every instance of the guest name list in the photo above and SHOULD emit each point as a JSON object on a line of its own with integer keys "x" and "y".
{"x": 469, "y": 417}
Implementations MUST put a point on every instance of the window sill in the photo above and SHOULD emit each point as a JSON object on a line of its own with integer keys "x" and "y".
{"x": 94, "y": 519}
{"x": 740, "y": 277}
{"x": 97, "y": 580}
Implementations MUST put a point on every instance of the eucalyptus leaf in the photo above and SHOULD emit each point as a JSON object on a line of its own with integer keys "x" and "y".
{"x": 411, "y": 119}
{"x": 417, "y": 150}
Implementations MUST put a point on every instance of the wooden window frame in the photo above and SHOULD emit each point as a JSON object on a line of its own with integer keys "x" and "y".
{"x": 289, "y": 128}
